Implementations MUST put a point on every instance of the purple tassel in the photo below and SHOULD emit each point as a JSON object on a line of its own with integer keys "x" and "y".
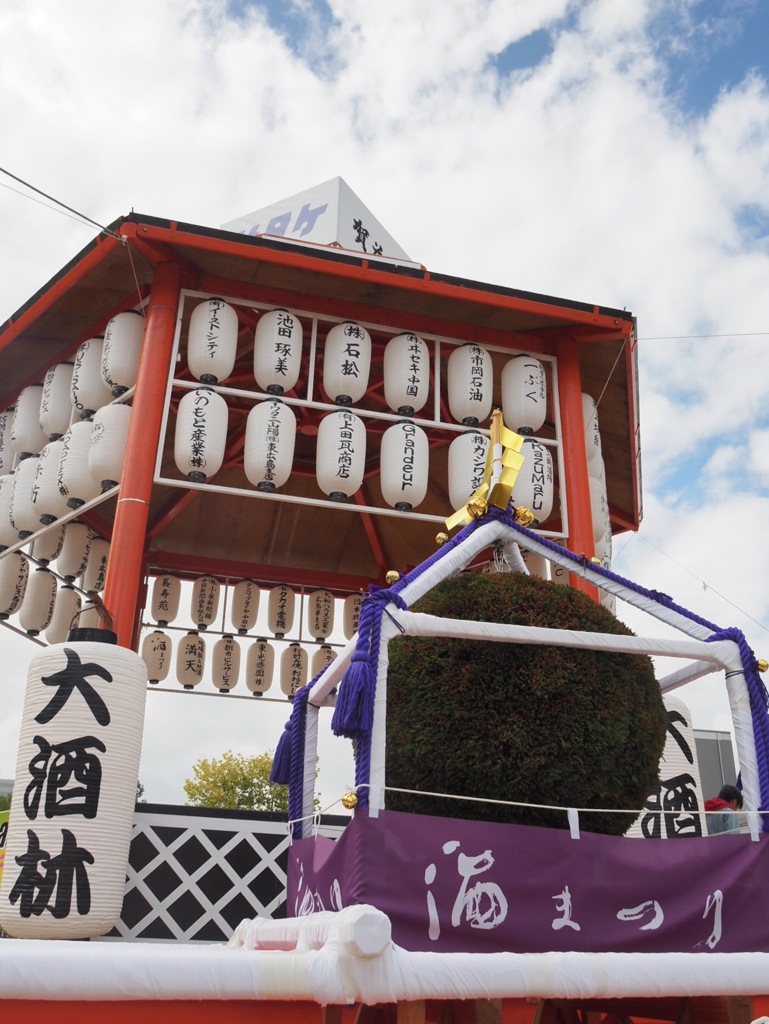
{"x": 281, "y": 763}
{"x": 354, "y": 712}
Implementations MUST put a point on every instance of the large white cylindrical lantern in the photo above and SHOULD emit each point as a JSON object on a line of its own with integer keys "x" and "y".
{"x": 73, "y": 557}
{"x": 190, "y": 659}
{"x": 156, "y": 655}
{"x": 321, "y": 658}
{"x": 603, "y": 549}
{"x": 533, "y": 488}
{"x": 121, "y": 351}
{"x": 75, "y": 478}
{"x": 524, "y": 394}
{"x": 47, "y": 547}
{"x": 268, "y": 451}
{"x": 166, "y": 592}
{"x": 49, "y": 501}
{"x": 205, "y": 601}
{"x": 7, "y": 454}
{"x": 14, "y": 574}
{"x": 225, "y": 663}
{"x": 351, "y": 614}
{"x": 280, "y": 610}
{"x": 599, "y": 509}
{"x": 212, "y": 341}
{"x": 55, "y": 402}
{"x": 470, "y": 384}
{"x": 341, "y": 454}
{"x": 39, "y": 601}
{"x": 75, "y": 792}
{"x": 96, "y": 567}
{"x": 277, "y": 351}
{"x": 260, "y": 667}
{"x": 346, "y": 363}
{"x": 8, "y": 533}
{"x": 109, "y": 437}
{"x": 467, "y": 462}
{"x": 65, "y": 615}
{"x": 406, "y": 373}
{"x": 22, "y": 510}
{"x": 244, "y": 606}
{"x": 27, "y": 437}
{"x": 89, "y": 392}
{"x": 293, "y": 669}
{"x": 403, "y": 465}
{"x": 320, "y": 614}
{"x": 592, "y": 435}
{"x": 201, "y": 434}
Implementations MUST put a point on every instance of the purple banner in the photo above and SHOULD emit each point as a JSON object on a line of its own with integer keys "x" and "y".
{"x": 451, "y": 885}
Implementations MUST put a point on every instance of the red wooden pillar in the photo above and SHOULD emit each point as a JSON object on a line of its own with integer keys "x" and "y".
{"x": 577, "y": 482}
{"x": 124, "y": 571}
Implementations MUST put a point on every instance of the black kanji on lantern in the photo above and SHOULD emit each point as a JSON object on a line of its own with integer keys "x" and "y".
{"x": 74, "y": 676}
{"x": 73, "y": 778}
{"x": 60, "y": 875}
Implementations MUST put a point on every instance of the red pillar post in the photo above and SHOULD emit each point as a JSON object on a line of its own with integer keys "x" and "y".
{"x": 124, "y": 570}
{"x": 577, "y": 482}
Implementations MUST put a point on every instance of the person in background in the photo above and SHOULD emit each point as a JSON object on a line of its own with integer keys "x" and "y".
{"x": 727, "y": 803}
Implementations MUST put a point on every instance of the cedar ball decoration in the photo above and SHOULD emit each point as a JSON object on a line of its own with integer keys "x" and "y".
{"x": 538, "y": 724}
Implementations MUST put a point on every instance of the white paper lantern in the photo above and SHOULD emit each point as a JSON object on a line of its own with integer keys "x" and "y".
{"x": 74, "y": 477}
{"x": 322, "y": 658}
{"x": 260, "y": 667}
{"x": 293, "y": 669}
{"x": 39, "y": 601}
{"x": 73, "y": 557}
{"x": 346, "y": 363}
{"x": 27, "y": 437}
{"x": 96, "y": 567}
{"x": 225, "y": 663}
{"x": 8, "y": 533}
{"x": 49, "y": 501}
{"x": 268, "y": 451}
{"x": 109, "y": 437}
{"x": 47, "y": 547}
{"x": 603, "y": 549}
{"x": 599, "y": 509}
{"x": 14, "y": 574}
{"x": 406, "y": 373}
{"x": 156, "y": 655}
{"x": 76, "y": 776}
{"x": 212, "y": 341}
{"x": 535, "y": 563}
{"x": 89, "y": 392}
{"x": 22, "y": 509}
{"x": 470, "y": 384}
{"x": 403, "y": 465}
{"x": 244, "y": 606}
{"x": 533, "y": 488}
{"x": 592, "y": 436}
{"x": 201, "y": 434}
{"x": 121, "y": 350}
{"x": 558, "y": 573}
{"x": 280, "y": 610}
{"x": 190, "y": 660}
{"x": 524, "y": 394}
{"x": 351, "y": 614}
{"x": 320, "y": 614}
{"x": 341, "y": 454}
{"x": 65, "y": 615}
{"x": 205, "y": 601}
{"x": 467, "y": 462}
{"x": 7, "y": 454}
{"x": 277, "y": 351}
{"x": 166, "y": 592}
{"x": 89, "y": 617}
{"x": 55, "y": 402}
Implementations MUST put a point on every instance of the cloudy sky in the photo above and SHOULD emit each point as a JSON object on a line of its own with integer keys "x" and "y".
{"x": 604, "y": 151}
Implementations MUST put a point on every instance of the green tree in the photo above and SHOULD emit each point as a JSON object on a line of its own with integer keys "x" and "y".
{"x": 5, "y": 803}
{"x": 236, "y": 782}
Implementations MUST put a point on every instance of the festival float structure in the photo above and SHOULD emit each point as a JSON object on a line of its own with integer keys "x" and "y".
{"x": 290, "y": 406}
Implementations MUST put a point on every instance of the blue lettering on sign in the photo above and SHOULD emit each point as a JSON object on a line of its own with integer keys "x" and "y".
{"x": 278, "y": 225}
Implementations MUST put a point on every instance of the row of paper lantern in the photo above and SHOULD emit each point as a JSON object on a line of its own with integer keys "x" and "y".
{"x": 103, "y": 368}
{"x": 268, "y": 453}
{"x": 245, "y": 597}
{"x": 68, "y": 472}
{"x": 212, "y": 347}
{"x": 296, "y": 666}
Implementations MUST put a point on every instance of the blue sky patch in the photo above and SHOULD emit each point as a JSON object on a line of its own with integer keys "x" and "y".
{"x": 304, "y": 27}
{"x": 523, "y": 53}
